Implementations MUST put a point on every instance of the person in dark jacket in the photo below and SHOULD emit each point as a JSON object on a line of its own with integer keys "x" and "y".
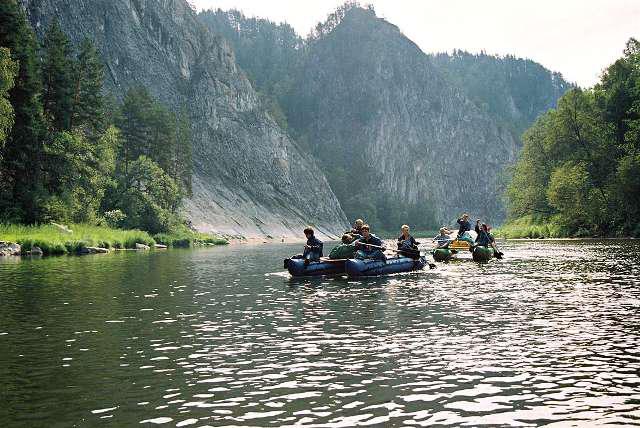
{"x": 486, "y": 239}
{"x": 465, "y": 224}
{"x": 369, "y": 246}
{"x": 312, "y": 249}
{"x": 405, "y": 240}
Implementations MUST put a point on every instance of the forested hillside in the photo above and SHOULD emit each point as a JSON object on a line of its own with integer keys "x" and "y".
{"x": 515, "y": 91}
{"x": 579, "y": 171}
{"x": 71, "y": 155}
{"x": 249, "y": 178}
{"x": 402, "y": 136}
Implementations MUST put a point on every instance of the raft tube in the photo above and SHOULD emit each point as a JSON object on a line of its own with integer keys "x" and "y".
{"x": 482, "y": 254}
{"x": 296, "y": 267}
{"x": 368, "y": 267}
{"x": 441, "y": 254}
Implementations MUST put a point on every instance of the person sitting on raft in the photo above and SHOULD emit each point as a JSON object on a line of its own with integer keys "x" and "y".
{"x": 312, "y": 249}
{"x": 465, "y": 227}
{"x": 345, "y": 250}
{"x": 369, "y": 246}
{"x": 486, "y": 239}
{"x": 407, "y": 242}
{"x": 443, "y": 239}
{"x": 356, "y": 232}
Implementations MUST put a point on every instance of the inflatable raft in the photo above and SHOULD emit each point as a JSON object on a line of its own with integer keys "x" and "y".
{"x": 442, "y": 254}
{"x": 367, "y": 267}
{"x": 482, "y": 254}
{"x": 296, "y": 267}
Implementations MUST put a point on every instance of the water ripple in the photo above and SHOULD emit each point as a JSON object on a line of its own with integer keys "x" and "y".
{"x": 547, "y": 336}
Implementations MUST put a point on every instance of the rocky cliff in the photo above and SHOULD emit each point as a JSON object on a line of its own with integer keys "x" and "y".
{"x": 368, "y": 98}
{"x": 250, "y": 178}
{"x": 402, "y": 136}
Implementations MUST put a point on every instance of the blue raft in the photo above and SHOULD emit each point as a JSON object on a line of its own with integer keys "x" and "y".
{"x": 296, "y": 267}
{"x": 368, "y": 267}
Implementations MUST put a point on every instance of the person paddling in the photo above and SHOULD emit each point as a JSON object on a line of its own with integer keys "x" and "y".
{"x": 443, "y": 239}
{"x": 366, "y": 246}
{"x": 486, "y": 239}
{"x": 345, "y": 250}
{"x": 312, "y": 249}
{"x": 406, "y": 242}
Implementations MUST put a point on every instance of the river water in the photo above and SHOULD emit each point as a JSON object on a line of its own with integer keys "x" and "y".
{"x": 222, "y": 337}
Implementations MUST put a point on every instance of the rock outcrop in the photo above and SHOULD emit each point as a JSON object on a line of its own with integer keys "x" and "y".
{"x": 399, "y": 134}
{"x": 370, "y": 97}
{"x": 250, "y": 178}
{"x": 9, "y": 249}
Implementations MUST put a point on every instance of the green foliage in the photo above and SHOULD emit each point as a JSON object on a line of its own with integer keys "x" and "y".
{"x": 580, "y": 163}
{"x": 8, "y": 72}
{"x": 149, "y": 129}
{"x": 53, "y": 241}
{"x": 64, "y": 160}
{"x": 22, "y": 154}
{"x": 79, "y": 174}
{"x": 57, "y": 73}
{"x": 183, "y": 237}
{"x": 148, "y": 197}
{"x": 87, "y": 101}
{"x": 114, "y": 218}
{"x": 531, "y": 227}
{"x": 514, "y": 91}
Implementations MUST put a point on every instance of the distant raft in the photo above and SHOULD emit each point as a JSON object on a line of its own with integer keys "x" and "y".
{"x": 368, "y": 267}
{"x": 482, "y": 254}
{"x": 296, "y": 267}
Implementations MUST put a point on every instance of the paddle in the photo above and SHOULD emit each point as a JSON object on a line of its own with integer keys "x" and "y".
{"x": 414, "y": 253}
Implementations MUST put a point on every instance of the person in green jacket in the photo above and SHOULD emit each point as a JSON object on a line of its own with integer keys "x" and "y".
{"x": 345, "y": 250}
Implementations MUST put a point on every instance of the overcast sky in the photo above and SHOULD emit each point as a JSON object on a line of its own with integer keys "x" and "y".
{"x": 578, "y": 38}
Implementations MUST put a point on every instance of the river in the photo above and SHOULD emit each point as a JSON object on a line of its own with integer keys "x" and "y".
{"x": 222, "y": 337}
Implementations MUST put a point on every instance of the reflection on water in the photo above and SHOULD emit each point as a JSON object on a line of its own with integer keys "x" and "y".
{"x": 219, "y": 337}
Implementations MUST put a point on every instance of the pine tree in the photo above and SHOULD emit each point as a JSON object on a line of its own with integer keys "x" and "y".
{"x": 87, "y": 101}
{"x": 8, "y": 72}
{"x": 162, "y": 142}
{"x": 21, "y": 187}
{"x": 133, "y": 121}
{"x": 57, "y": 76}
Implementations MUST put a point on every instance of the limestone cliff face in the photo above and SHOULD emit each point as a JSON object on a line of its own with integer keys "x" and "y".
{"x": 249, "y": 179}
{"x": 369, "y": 96}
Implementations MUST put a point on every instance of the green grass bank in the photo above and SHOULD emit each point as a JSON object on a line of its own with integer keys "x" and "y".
{"x": 553, "y": 227}
{"x": 527, "y": 227}
{"x": 54, "y": 240}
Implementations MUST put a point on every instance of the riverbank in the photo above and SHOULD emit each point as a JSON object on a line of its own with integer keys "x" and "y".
{"x": 53, "y": 239}
{"x": 529, "y": 228}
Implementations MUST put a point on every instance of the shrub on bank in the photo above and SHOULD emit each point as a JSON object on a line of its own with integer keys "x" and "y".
{"x": 184, "y": 238}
